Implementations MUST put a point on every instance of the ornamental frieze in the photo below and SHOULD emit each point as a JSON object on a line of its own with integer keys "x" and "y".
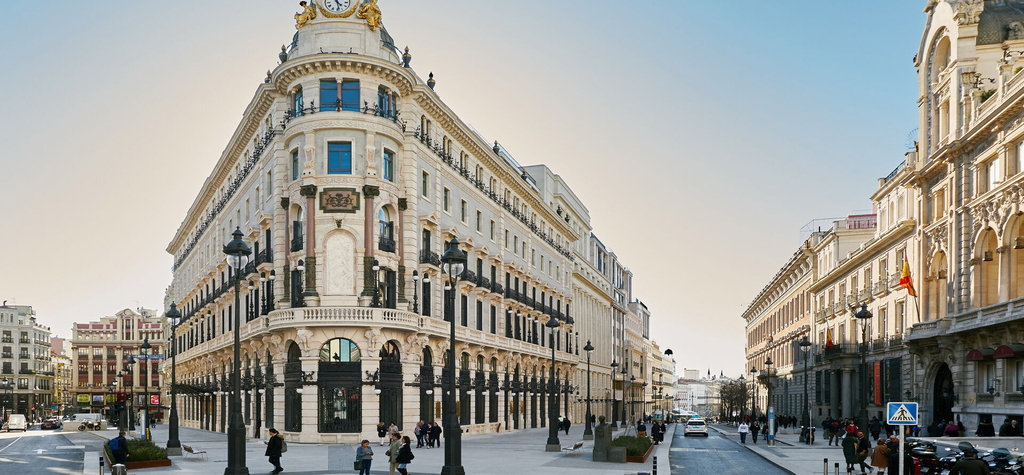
{"x": 339, "y": 200}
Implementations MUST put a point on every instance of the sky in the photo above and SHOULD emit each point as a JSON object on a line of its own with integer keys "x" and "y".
{"x": 701, "y": 136}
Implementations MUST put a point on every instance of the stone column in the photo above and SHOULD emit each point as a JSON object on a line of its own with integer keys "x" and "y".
{"x": 286, "y": 279}
{"x": 309, "y": 293}
{"x": 369, "y": 281}
{"x": 847, "y": 398}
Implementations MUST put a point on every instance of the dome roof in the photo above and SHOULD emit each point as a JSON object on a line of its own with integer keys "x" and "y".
{"x": 995, "y": 20}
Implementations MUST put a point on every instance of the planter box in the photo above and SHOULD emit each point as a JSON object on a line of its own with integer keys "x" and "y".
{"x": 147, "y": 464}
{"x": 642, "y": 458}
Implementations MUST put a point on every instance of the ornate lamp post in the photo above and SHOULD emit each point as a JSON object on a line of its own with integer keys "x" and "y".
{"x": 238, "y": 256}
{"x": 768, "y": 388}
{"x": 173, "y": 444}
{"x": 453, "y": 262}
{"x": 753, "y": 396}
{"x": 588, "y": 432}
{"x": 145, "y": 388}
{"x": 615, "y": 400}
{"x": 129, "y": 366}
{"x": 415, "y": 292}
{"x": 864, "y": 317}
{"x": 625, "y": 420}
{"x": 553, "y": 445}
{"x": 8, "y": 385}
{"x": 805, "y": 345}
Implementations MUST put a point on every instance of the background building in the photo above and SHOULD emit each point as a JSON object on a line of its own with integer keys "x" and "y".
{"x": 26, "y": 377}
{"x": 62, "y": 396}
{"x": 103, "y": 381}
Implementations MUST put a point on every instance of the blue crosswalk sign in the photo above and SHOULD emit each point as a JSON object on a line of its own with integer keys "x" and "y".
{"x": 902, "y": 413}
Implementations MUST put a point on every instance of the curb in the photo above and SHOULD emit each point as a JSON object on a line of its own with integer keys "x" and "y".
{"x": 756, "y": 453}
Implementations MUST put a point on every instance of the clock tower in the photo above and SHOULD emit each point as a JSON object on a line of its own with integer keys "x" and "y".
{"x": 341, "y": 26}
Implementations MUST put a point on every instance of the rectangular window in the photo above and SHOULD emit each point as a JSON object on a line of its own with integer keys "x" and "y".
{"x": 339, "y": 158}
{"x": 506, "y": 239}
{"x": 295, "y": 164}
{"x": 350, "y": 95}
{"x": 388, "y": 165}
{"x": 462, "y": 211}
{"x": 992, "y": 172}
{"x": 479, "y": 221}
{"x": 425, "y": 185}
{"x": 446, "y": 201}
{"x": 328, "y": 95}
{"x": 479, "y": 315}
{"x": 492, "y": 230}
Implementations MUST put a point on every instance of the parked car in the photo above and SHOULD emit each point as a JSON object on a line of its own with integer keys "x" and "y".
{"x": 51, "y": 424}
{"x": 17, "y": 422}
{"x": 695, "y": 426}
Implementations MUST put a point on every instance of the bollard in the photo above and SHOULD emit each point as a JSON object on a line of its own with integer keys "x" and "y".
{"x": 837, "y": 468}
{"x": 101, "y": 465}
{"x": 654, "y": 467}
{"x": 826, "y": 465}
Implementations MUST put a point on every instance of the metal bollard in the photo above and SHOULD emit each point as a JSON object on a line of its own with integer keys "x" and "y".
{"x": 654, "y": 467}
{"x": 101, "y": 465}
{"x": 826, "y": 465}
{"x": 837, "y": 468}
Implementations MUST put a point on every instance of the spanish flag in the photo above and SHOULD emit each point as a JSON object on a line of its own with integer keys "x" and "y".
{"x": 905, "y": 280}
{"x": 828, "y": 338}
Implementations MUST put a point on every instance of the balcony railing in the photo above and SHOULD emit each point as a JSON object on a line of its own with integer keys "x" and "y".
{"x": 468, "y": 276}
{"x": 24, "y": 340}
{"x": 497, "y": 288}
{"x": 8, "y": 339}
{"x": 840, "y": 350}
{"x": 27, "y": 371}
{"x": 296, "y": 243}
{"x": 430, "y": 257}
{"x": 483, "y": 282}
{"x": 386, "y": 244}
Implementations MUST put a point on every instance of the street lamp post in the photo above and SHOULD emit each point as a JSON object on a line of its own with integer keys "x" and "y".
{"x": 768, "y": 394}
{"x": 8, "y": 384}
{"x": 415, "y": 292}
{"x": 615, "y": 400}
{"x": 173, "y": 444}
{"x": 588, "y": 432}
{"x": 553, "y": 445}
{"x": 625, "y": 424}
{"x": 453, "y": 262}
{"x": 238, "y": 256}
{"x": 864, "y": 316}
{"x": 632, "y": 399}
{"x": 805, "y": 345}
{"x": 743, "y": 391}
{"x": 753, "y": 396}
{"x": 145, "y": 388}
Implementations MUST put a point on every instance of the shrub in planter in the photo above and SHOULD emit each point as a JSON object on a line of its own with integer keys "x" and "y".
{"x": 141, "y": 451}
{"x": 635, "y": 446}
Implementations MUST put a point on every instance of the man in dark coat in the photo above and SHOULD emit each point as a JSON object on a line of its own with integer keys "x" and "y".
{"x": 863, "y": 452}
{"x": 875, "y": 427}
{"x": 121, "y": 451}
{"x": 850, "y": 443}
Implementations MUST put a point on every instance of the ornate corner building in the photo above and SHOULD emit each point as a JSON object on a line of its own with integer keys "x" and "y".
{"x": 349, "y": 177}
{"x": 26, "y": 377}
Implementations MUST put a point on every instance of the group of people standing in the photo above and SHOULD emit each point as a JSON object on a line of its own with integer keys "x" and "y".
{"x": 657, "y": 430}
{"x": 427, "y": 434}
{"x": 399, "y": 455}
{"x": 755, "y": 429}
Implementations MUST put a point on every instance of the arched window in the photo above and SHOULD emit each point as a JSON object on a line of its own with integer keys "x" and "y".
{"x": 340, "y": 385}
{"x": 385, "y": 226}
{"x": 339, "y": 350}
{"x": 987, "y": 270}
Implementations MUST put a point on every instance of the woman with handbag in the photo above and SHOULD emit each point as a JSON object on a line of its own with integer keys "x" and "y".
{"x": 405, "y": 456}
{"x": 364, "y": 458}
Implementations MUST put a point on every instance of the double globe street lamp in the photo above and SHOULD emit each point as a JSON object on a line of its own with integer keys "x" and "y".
{"x": 453, "y": 263}
{"x": 173, "y": 444}
{"x": 588, "y": 432}
{"x": 237, "y": 257}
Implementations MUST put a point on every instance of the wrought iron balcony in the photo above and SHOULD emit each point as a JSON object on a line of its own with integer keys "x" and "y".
{"x": 24, "y": 340}
{"x": 27, "y": 371}
{"x": 468, "y": 276}
{"x": 430, "y": 257}
{"x": 835, "y": 351}
{"x": 264, "y": 256}
{"x": 296, "y": 243}
{"x": 484, "y": 282}
{"x": 497, "y": 288}
{"x": 386, "y": 244}
{"x": 8, "y": 355}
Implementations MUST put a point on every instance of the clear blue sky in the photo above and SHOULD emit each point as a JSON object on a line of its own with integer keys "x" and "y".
{"x": 701, "y": 135}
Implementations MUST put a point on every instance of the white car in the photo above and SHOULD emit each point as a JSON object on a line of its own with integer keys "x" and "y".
{"x": 695, "y": 426}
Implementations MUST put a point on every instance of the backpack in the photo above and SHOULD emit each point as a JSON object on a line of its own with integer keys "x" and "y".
{"x": 284, "y": 446}
{"x": 115, "y": 444}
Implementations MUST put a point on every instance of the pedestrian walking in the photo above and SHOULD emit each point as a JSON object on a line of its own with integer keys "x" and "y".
{"x": 755, "y": 430}
{"x": 364, "y": 455}
{"x": 392, "y": 453}
{"x": 880, "y": 457}
{"x": 641, "y": 428}
{"x": 405, "y": 456}
{"x": 566, "y": 424}
{"x": 275, "y": 446}
{"x": 875, "y": 427}
{"x": 743, "y": 429}
{"x": 119, "y": 448}
{"x": 850, "y": 444}
{"x": 863, "y": 451}
{"x": 382, "y": 432}
{"x": 418, "y": 432}
{"x": 435, "y": 435}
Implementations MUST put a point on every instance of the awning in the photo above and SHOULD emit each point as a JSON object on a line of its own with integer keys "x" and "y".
{"x": 1009, "y": 351}
{"x": 983, "y": 354}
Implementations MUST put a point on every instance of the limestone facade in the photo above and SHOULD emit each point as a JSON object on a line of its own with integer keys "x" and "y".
{"x": 26, "y": 377}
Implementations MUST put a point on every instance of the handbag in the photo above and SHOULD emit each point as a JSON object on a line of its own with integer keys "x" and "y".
{"x": 284, "y": 446}
{"x": 357, "y": 465}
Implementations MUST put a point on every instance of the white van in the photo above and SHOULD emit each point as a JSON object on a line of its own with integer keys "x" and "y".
{"x": 17, "y": 422}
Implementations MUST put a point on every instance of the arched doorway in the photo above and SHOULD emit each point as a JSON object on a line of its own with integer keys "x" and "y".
{"x": 942, "y": 408}
{"x": 427, "y": 387}
{"x": 340, "y": 408}
{"x": 390, "y": 384}
{"x": 292, "y": 386}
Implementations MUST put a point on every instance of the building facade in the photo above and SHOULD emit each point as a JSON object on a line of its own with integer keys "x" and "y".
{"x": 349, "y": 177}
{"x": 110, "y": 370}
{"x": 61, "y": 396}
{"x": 26, "y": 377}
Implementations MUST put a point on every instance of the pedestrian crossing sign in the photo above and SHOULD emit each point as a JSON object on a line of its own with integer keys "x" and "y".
{"x": 902, "y": 413}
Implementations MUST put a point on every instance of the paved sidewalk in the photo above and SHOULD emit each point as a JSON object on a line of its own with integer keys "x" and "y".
{"x": 792, "y": 455}
{"x": 507, "y": 453}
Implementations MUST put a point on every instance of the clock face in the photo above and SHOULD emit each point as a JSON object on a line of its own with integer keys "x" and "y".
{"x": 337, "y": 6}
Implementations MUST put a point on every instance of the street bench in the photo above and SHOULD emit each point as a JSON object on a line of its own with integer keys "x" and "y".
{"x": 573, "y": 448}
{"x": 189, "y": 450}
